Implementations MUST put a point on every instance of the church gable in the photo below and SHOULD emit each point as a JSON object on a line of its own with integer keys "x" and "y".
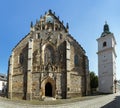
{"x": 49, "y": 22}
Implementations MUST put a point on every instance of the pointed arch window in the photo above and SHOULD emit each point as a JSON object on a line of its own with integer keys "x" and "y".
{"x": 49, "y": 54}
{"x": 76, "y": 60}
{"x": 20, "y": 58}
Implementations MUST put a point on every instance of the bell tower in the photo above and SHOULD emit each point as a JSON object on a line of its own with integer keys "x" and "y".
{"x": 106, "y": 61}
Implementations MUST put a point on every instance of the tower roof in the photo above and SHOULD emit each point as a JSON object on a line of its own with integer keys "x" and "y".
{"x": 105, "y": 30}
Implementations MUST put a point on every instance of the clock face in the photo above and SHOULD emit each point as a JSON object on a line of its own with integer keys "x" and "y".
{"x": 49, "y": 19}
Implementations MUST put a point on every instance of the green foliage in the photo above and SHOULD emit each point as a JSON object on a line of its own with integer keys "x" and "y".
{"x": 93, "y": 80}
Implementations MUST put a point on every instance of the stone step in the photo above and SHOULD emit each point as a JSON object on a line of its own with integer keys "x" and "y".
{"x": 49, "y": 98}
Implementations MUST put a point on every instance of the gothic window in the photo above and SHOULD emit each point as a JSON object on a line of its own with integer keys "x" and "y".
{"x": 49, "y": 19}
{"x": 43, "y": 27}
{"x": 76, "y": 60}
{"x": 20, "y": 59}
{"x": 60, "y": 36}
{"x": 49, "y": 54}
{"x": 56, "y": 27}
{"x": 104, "y": 44}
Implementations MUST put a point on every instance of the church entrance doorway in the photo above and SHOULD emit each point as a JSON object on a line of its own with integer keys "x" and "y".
{"x": 48, "y": 89}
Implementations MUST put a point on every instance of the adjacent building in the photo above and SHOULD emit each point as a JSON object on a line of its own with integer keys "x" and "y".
{"x": 48, "y": 61}
{"x": 107, "y": 61}
{"x": 3, "y": 84}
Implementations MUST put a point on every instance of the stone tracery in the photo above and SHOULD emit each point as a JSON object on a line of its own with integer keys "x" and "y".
{"x": 49, "y": 55}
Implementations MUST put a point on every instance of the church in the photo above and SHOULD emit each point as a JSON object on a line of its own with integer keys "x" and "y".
{"x": 48, "y": 62}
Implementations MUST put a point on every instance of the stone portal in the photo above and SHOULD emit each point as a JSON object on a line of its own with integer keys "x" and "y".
{"x": 48, "y": 89}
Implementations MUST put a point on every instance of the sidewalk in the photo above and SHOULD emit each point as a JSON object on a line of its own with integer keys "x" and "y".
{"x": 99, "y": 101}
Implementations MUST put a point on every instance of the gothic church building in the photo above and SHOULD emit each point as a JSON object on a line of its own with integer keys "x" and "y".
{"x": 48, "y": 62}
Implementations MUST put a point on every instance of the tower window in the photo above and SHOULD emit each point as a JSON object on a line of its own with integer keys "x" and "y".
{"x": 104, "y": 44}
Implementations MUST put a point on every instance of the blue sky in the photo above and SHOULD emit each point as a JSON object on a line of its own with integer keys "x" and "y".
{"x": 85, "y": 17}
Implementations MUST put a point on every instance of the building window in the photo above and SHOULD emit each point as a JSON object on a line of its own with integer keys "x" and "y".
{"x": 68, "y": 89}
{"x": 20, "y": 58}
{"x": 76, "y": 60}
{"x": 38, "y": 36}
{"x": 104, "y": 44}
{"x": 49, "y": 55}
{"x": 60, "y": 36}
{"x": 43, "y": 27}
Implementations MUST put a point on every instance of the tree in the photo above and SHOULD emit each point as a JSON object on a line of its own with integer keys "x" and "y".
{"x": 93, "y": 81}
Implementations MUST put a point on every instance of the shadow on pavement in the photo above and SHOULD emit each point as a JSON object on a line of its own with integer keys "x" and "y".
{"x": 113, "y": 104}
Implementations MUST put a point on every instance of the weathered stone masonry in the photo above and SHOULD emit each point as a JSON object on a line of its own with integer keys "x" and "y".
{"x": 48, "y": 62}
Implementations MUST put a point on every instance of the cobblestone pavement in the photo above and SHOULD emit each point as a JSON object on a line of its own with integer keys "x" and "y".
{"x": 107, "y": 101}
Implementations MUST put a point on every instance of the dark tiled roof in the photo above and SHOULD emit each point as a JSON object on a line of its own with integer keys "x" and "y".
{"x": 3, "y": 77}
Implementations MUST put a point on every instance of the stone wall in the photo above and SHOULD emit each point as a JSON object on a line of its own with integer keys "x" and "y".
{"x": 76, "y": 83}
{"x": 18, "y": 86}
{"x": 36, "y": 85}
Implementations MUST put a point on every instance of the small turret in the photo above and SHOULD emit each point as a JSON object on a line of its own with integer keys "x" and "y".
{"x": 67, "y": 27}
{"x": 31, "y": 25}
{"x": 58, "y": 17}
{"x": 45, "y": 13}
{"x": 40, "y": 16}
{"x": 37, "y": 21}
{"x": 50, "y": 11}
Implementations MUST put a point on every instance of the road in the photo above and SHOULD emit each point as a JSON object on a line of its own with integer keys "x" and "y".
{"x": 106, "y": 101}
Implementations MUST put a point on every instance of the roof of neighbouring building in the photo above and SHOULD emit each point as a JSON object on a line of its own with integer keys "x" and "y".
{"x": 3, "y": 77}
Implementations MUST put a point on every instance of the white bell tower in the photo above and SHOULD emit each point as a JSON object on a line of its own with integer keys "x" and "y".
{"x": 106, "y": 61}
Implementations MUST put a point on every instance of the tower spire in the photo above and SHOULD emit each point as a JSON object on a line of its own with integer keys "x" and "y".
{"x": 67, "y": 27}
{"x": 105, "y": 29}
{"x": 105, "y": 22}
{"x": 31, "y": 25}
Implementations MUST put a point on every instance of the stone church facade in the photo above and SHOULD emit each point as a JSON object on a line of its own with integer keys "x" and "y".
{"x": 48, "y": 61}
